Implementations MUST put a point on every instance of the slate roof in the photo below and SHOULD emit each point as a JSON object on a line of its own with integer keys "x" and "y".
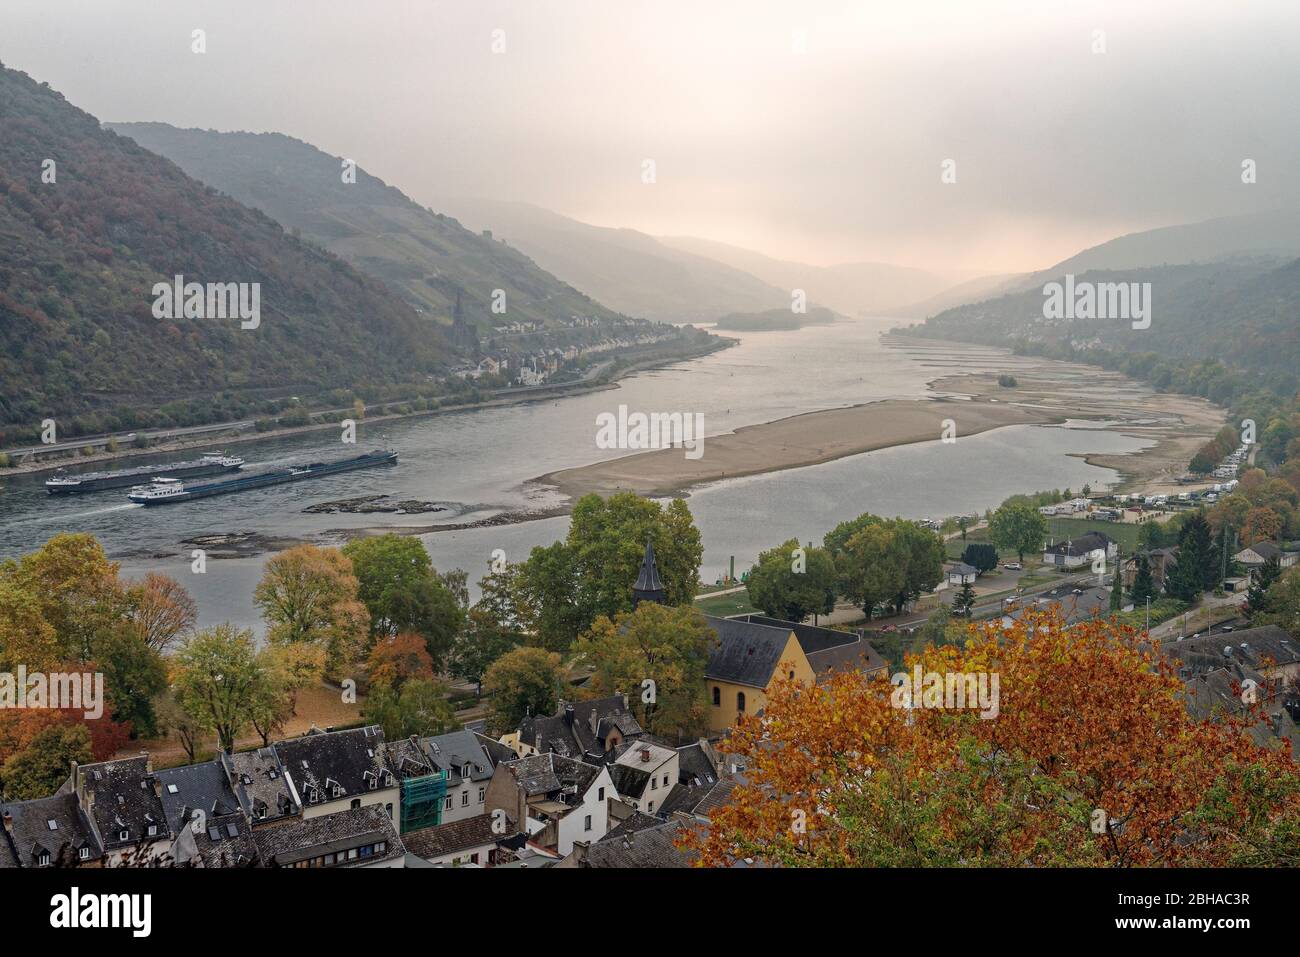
{"x": 7, "y": 858}
{"x": 1211, "y": 693}
{"x": 1265, "y": 550}
{"x": 629, "y": 781}
{"x": 225, "y": 840}
{"x": 31, "y": 832}
{"x": 335, "y": 765}
{"x": 1080, "y": 546}
{"x": 259, "y": 784}
{"x": 651, "y": 847}
{"x": 458, "y": 750}
{"x": 551, "y": 774}
{"x": 312, "y": 837}
{"x": 630, "y": 825}
{"x": 826, "y": 649}
{"x": 1258, "y": 648}
{"x": 648, "y": 587}
{"x": 746, "y": 653}
{"x": 444, "y": 839}
{"x": 120, "y": 798}
{"x": 203, "y": 787}
{"x": 961, "y": 568}
{"x": 582, "y": 732}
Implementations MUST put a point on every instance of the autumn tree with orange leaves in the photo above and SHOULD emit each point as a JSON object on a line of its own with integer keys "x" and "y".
{"x": 1092, "y": 760}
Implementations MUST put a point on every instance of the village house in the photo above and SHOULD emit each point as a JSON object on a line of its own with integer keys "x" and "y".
{"x": 122, "y": 800}
{"x": 962, "y": 574}
{"x": 644, "y": 774}
{"x": 1258, "y": 555}
{"x": 52, "y": 831}
{"x": 1080, "y": 551}
{"x": 331, "y": 771}
{"x": 356, "y": 837}
{"x": 472, "y": 842}
{"x": 558, "y": 800}
{"x": 1159, "y": 560}
{"x": 588, "y": 730}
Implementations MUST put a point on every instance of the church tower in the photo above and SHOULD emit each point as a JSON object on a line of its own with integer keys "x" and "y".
{"x": 648, "y": 587}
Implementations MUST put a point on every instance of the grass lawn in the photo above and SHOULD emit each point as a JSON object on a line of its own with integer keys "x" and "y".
{"x": 1124, "y": 534}
{"x": 737, "y": 603}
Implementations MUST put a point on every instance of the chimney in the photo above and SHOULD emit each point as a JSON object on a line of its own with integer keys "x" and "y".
{"x": 157, "y": 785}
{"x": 645, "y": 754}
{"x": 623, "y": 695}
{"x": 148, "y": 762}
{"x": 568, "y": 714}
{"x": 9, "y": 822}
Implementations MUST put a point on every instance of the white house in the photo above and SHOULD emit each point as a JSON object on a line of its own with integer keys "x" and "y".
{"x": 558, "y": 799}
{"x": 645, "y": 774}
{"x": 962, "y": 574}
{"x": 1077, "y": 552}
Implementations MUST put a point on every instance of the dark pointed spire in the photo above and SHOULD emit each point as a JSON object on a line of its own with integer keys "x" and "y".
{"x": 648, "y": 587}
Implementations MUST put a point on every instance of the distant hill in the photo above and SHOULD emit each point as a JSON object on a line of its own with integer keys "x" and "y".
{"x": 1273, "y": 234}
{"x": 80, "y": 257}
{"x": 854, "y": 289}
{"x": 972, "y": 290}
{"x": 429, "y": 257}
{"x": 1244, "y": 312}
{"x": 626, "y": 270}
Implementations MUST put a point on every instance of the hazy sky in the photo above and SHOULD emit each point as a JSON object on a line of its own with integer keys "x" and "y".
{"x": 806, "y": 129}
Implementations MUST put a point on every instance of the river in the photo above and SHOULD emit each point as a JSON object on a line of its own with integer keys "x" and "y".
{"x": 477, "y": 463}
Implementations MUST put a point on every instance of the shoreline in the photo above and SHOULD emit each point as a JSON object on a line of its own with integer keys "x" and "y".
{"x": 1048, "y": 392}
{"x": 236, "y": 436}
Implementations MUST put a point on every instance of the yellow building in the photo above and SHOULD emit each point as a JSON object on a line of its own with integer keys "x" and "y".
{"x": 748, "y": 659}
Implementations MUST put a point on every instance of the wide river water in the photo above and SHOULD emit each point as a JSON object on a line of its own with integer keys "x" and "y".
{"x": 477, "y": 464}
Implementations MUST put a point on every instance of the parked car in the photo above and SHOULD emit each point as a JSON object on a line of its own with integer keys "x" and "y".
{"x": 1013, "y": 566}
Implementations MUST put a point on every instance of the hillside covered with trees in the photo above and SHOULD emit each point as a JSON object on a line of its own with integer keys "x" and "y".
{"x": 429, "y": 257}
{"x": 91, "y": 222}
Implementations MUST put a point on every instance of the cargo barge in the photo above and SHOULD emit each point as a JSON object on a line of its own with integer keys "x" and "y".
{"x": 62, "y": 484}
{"x": 165, "y": 490}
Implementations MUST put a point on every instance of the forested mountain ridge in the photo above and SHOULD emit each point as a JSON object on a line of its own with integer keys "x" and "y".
{"x": 429, "y": 257}
{"x": 90, "y": 221}
{"x": 1243, "y": 313}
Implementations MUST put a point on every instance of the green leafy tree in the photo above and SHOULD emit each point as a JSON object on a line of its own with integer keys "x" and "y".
{"x": 869, "y": 573}
{"x": 1117, "y": 588}
{"x": 309, "y": 594}
{"x": 607, "y": 539}
{"x": 1018, "y": 527}
{"x": 420, "y": 707}
{"x": 920, "y": 554}
{"x": 523, "y": 681}
{"x": 217, "y": 677}
{"x": 657, "y": 655}
{"x": 41, "y": 768}
{"x": 792, "y": 582}
{"x": 546, "y": 588}
{"x": 135, "y": 675}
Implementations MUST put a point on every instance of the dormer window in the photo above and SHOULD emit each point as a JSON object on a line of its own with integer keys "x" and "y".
{"x": 43, "y": 859}
{"x": 124, "y": 835}
{"x": 153, "y": 830}
{"x": 83, "y": 853}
